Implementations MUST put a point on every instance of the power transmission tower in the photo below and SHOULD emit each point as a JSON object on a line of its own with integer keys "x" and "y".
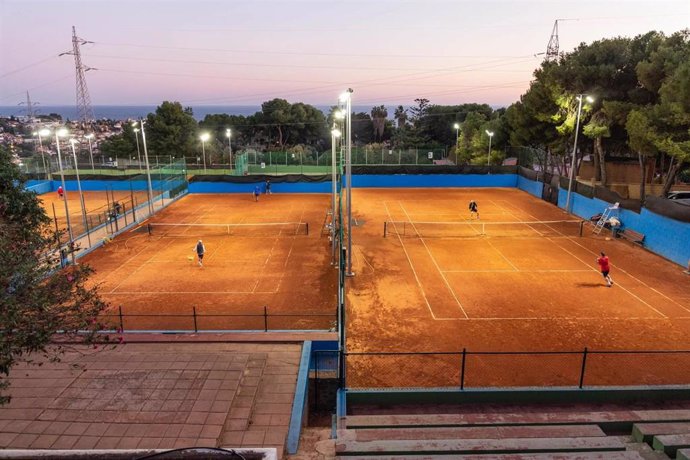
{"x": 84, "y": 110}
{"x": 30, "y": 113}
{"x": 552, "y": 47}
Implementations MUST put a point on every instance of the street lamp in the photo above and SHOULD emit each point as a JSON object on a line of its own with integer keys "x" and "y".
{"x": 89, "y": 137}
{"x": 146, "y": 159}
{"x": 62, "y": 132}
{"x": 72, "y": 142}
{"x": 204, "y": 137}
{"x": 136, "y": 137}
{"x": 577, "y": 129}
{"x": 335, "y": 133}
{"x": 491, "y": 135}
{"x": 228, "y": 132}
{"x": 39, "y": 133}
{"x": 456, "y": 126}
{"x": 346, "y": 97}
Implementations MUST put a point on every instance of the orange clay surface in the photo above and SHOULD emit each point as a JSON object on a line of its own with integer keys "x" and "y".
{"x": 157, "y": 281}
{"x": 96, "y": 205}
{"x": 517, "y": 291}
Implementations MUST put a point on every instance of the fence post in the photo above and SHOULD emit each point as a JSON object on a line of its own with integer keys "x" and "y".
{"x": 122, "y": 324}
{"x": 462, "y": 369}
{"x": 265, "y": 318}
{"x": 196, "y": 329}
{"x": 582, "y": 372}
{"x": 385, "y": 228}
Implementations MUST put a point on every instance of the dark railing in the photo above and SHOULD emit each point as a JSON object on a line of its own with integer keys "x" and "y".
{"x": 200, "y": 322}
{"x": 488, "y": 369}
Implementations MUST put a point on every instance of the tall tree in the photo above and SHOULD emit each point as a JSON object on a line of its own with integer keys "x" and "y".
{"x": 400, "y": 116}
{"x": 379, "y": 115}
{"x": 642, "y": 139}
{"x": 172, "y": 130}
{"x": 36, "y": 299}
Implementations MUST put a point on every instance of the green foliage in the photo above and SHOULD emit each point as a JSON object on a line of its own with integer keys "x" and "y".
{"x": 172, "y": 130}
{"x": 36, "y": 299}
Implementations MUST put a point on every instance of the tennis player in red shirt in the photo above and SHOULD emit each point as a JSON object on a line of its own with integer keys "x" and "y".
{"x": 603, "y": 262}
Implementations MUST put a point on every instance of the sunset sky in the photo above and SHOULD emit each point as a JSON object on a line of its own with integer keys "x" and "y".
{"x": 246, "y": 52}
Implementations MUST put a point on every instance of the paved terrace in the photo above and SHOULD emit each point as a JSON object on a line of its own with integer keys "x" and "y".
{"x": 154, "y": 395}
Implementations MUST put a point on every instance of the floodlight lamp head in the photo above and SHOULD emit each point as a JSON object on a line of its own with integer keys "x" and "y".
{"x": 44, "y": 132}
{"x": 589, "y": 99}
{"x": 62, "y": 132}
{"x": 204, "y": 137}
{"x": 73, "y": 141}
{"x": 35, "y": 133}
{"x": 136, "y": 130}
{"x": 336, "y": 132}
{"x": 456, "y": 126}
{"x": 344, "y": 97}
{"x": 228, "y": 132}
{"x": 134, "y": 123}
{"x": 490, "y": 133}
{"x": 89, "y": 136}
{"x": 339, "y": 114}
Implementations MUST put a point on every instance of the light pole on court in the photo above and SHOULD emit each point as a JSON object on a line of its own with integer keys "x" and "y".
{"x": 346, "y": 97}
{"x": 228, "y": 133}
{"x": 577, "y": 129}
{"x": 204, "y": 137}
{"x": 488, "y": 157}
{"x": 72, "y": 143}
{"x": 335, "y": 134}
{"x": 89, "y": 137}
{"x": 62, "y": 132}
{"x": 136, "y": 137}
{"x": 146, "y": 159}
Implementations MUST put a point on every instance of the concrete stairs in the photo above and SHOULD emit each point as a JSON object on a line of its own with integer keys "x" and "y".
{"x": 529, "y": 435}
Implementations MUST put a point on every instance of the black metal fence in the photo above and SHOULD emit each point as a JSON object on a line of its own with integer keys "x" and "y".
{"x": 489, "y": 369}
{"x": 193, "y": 321}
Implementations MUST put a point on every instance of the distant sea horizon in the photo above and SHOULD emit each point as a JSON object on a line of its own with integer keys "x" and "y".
{"x": 124, "y": 112}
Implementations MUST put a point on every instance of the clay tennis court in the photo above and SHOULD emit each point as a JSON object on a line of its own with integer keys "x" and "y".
{"x": 95, "y": 203}
{"x": 249, "y": 270}
{"x": 514, "y": 288}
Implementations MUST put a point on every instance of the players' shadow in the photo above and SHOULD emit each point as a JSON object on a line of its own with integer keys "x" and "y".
{"x": 590, "y": 285}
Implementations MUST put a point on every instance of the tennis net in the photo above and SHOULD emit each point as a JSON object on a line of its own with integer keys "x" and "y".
{"x": 261, "y": 229}
{"x": 552, "y": 228}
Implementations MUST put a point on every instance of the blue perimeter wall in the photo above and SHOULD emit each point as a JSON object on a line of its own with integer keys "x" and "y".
{"x": 94, "y": 185}
{"x": 399, "y": 180}
{"x": 667, "y": 237}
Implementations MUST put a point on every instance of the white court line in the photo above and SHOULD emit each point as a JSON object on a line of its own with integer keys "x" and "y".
{"x": 183, "y": 292}
{"x": 595, "y": 270}
{"x": 502, "y": 255}
{"x": 445, "y": 280}
{"x": 402, "y": 244}
{"x": 511, "y": 271}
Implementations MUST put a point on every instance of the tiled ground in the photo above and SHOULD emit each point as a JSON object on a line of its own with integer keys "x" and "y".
{"x": 154, "y": 395}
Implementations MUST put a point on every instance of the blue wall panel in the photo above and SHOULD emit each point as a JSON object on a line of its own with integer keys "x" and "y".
{"x": 282, "y": 187}
{"x": 667, "y": 237}
{"x": 39, "y": 186}
{"x": 532, "y": 187}
{"x": 435, "y": 180}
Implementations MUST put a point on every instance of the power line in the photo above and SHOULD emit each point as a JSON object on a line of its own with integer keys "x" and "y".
{"x": 28, "y": 66}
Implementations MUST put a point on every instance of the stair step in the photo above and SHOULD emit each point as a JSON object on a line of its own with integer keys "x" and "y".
{"x": 627, "y": 455}
{"x": 671, "y": 443}
{"x": 481, "y": 446}
{"x": 683, "y": 454}
{"x": 484, "y": 432}
{"x": 645, "y": 432}
{"x": 498, "y": 419}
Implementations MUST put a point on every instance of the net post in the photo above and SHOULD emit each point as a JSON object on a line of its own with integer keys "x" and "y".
{"x": 462, "y": 368}
{"x": 265, "y": 318}
{"x": 149, "y": 228}
{"x": 582, "y": 371}
{"x": 385, "y": 228}
{"x": 307, "y": 225}
{"x": 582, "y": 226}
{"x": 196, "y": 329}
{"x": 122, "y": 324}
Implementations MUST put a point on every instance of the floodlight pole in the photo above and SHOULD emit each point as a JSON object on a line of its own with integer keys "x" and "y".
{"x": 228, "y": 133}
{"x": 348, "y": 177}
{"x": 136, "y": 137}
{"x": 43, "y": 155}
{"x": 333, "y": 193}
{"x": 88, "y": 137}
{"x": 81, "y": 195}
{"x": 572, "y": 166}
{"x": 146, "y": 159}
{"x": 64, "y": 197}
